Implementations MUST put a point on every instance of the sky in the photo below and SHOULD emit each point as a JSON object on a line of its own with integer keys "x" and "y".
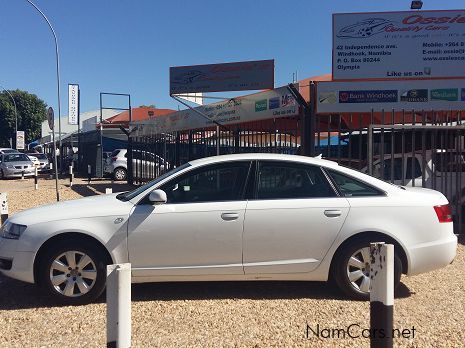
{"x": 127, "y": 46}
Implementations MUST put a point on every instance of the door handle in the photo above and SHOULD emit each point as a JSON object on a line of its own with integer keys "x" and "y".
{"x": 333, "y": 213}
{"x": 229, "y": 216}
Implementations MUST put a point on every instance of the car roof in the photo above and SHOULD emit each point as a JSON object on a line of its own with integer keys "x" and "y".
{"x": 299, "y": 159}
{"x": 264, "y": 156}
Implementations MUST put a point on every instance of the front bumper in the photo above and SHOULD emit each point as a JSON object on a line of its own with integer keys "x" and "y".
{"x": 21, "y": 262}
{"x": 17, "y": 173}
{"x": 430, "y": 256}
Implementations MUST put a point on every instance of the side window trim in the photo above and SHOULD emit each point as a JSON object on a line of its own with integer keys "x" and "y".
{"x": 381, "y": 192}
{"x": 200, "y": 169}
{"x": 290, "y": 163}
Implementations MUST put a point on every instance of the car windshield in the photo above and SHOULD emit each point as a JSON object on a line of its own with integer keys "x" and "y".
{"x": 10, "y": 151}
{"x": 16, "y": 157}
{"x": 115, "y": 153}
{"x": 126, "y": 196}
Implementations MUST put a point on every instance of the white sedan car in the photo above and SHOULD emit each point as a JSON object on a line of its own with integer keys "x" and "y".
{"x": 234, "y": 217}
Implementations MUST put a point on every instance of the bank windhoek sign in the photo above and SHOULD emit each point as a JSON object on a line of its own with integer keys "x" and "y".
{"x": 399, "y": 45}
{"x": 364, "y": 96}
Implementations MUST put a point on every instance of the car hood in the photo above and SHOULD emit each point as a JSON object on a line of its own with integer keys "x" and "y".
{"x": 18, "y": 163}
{"x": 102, "y": 205}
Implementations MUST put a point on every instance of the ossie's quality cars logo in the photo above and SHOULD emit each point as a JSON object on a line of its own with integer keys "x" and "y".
{"x": 412, "y": 23}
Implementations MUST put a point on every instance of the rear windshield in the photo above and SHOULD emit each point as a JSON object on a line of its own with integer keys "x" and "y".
{"x": 16, "y": 157}
{"x": 115, "y": 153}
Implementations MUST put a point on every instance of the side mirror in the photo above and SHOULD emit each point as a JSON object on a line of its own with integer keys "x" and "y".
{"x": 157, "y": 197}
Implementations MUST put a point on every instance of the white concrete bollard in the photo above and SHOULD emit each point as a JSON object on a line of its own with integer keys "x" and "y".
{"x": 119, "y": 305}
{"x": 108, "y": 190}
{"x": 71, "y": 176}
{"x": 3, "y": 207}
{"x": 36, "y": 178}
{"x": 381, "y": 295}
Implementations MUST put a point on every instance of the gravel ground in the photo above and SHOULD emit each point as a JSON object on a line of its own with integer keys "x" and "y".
{"x": 242, "y": 314}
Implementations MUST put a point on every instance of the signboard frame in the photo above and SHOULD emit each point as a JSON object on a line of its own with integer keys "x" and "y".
{"x": 234, "y": 76}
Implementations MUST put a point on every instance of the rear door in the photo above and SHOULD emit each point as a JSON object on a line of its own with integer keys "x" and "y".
{"x": 293, "y": 219}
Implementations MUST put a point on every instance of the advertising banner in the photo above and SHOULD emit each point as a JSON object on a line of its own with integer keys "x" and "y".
{"x": 275, "y": 103}
{"x": 363, "y": 96}
{"x": 238, "y": 76}
{"x": 399, "y": 45}
{"x": 20, "y": 140}
{"x": 73, "y": 104}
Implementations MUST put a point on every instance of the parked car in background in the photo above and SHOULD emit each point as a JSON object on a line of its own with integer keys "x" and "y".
{"x": 34, "y": 160}
{"x": 42, "y": 164}
{"x": 234, "y": 217}
{"x": 15, "y": 165}
{"x": 144, "y": 164}
{"x": 7, "y": 150}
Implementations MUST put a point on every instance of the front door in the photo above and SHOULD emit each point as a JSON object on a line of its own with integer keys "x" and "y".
{"x": 198, "y": 231}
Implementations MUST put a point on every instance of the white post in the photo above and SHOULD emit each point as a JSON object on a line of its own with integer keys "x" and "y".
{"x": 71, "y": 176}
{"x": 381, "y": 295}
{"x": 108, "y": 190}
{"x": 3, "y": 207}
{"x": 89, "y": 173}
{"x": 36, "y": 182}
{"x": 119, "y": 305}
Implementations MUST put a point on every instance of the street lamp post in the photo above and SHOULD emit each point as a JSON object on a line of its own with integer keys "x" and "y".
{"x": 58, "y": 92}
{"x": 16, "y": 113}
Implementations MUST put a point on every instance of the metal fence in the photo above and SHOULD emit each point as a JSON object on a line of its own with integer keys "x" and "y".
{"x": 406, "y": 147}
{"x": 157, "y": 153}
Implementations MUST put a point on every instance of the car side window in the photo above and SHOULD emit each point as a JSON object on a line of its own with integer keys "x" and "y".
{"x": 280, "y": 180}
{"x": 221, "y": 182}
{"x": 351, "y": 187}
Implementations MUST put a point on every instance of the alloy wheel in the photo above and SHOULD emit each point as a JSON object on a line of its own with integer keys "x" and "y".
{"x": 358, "y": 270}
{"x": 73, "y": 273}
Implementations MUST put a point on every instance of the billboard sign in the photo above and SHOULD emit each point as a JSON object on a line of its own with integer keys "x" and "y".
{"x": 20, "y": 140}
{"x": 73, "y": 104}
{"x": 238, "y": 76}
{"x": 364, "y": 96}
{"x": 399, "y": 45}
{"x": 259, "y": 106}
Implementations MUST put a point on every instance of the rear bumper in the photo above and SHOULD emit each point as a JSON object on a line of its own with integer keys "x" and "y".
{"x": 430, "y": 256}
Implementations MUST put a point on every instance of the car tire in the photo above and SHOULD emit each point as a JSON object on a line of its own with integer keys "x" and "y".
{"x": 73, "y": 282}
{"x": 2, "y": 175}
{"x": 356, "y": 286}
{"x": 120, "y": 174}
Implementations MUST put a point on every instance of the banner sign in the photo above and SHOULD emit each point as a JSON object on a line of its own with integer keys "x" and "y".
{"x": 265, "y": 105}
{"x": 73, "y": 104}
{"x": 20, "y": 140}
{"x": 363, "y": 96}
{"x": 399, "y": 45}
{"x": 238, "y": 76}
{"x": 50, "y": 118}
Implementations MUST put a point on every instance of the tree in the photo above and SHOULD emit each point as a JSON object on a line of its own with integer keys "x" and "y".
{"x": 31, "y": 112}
{"x": 148, "y": 106}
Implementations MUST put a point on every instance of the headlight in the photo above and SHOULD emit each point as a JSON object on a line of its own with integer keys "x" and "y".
{"x": 9, "y": 166}
{"x": 12, "y": 231}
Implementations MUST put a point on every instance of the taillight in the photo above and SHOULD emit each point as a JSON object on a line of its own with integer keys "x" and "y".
{"x": 443, "y": 212}
{"x": 113, "y": 159}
